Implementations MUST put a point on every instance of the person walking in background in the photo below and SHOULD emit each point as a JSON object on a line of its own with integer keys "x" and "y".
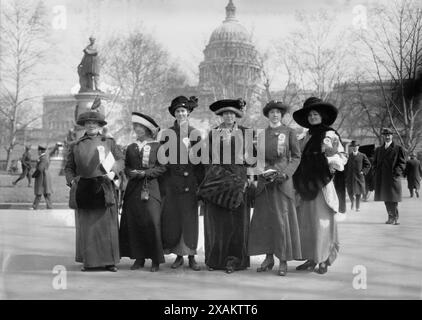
{"x": 26, "y": 167}
{"x": 413, "y": 173}
{"x": 389, "y": 164}
{"x": 322, "y": 155}
{"x": 180, "y": 224}
{"x": 140, "y": 223}
{"x": 274, "y": 227}
{"x": 42, "y": 184}
{"x": 357, "y": 167}
{"x": 93, "y": 162}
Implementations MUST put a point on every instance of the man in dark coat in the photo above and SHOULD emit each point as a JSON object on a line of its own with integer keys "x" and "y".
{"x": 357, "y": 167}
{"x": 413, "y": 173}
{"x": 42, "y": 185}
{"x": 389, "y": 164}
{"x": 26, "y": 167}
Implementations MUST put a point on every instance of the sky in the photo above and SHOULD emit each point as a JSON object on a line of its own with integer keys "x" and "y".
{"x": 183, "y": 27}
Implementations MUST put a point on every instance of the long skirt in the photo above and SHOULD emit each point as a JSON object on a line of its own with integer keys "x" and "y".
{"x": 318, "y": 230}
{"x": 97, "y": 237}
{"x": 274, "y": 226}
{"x": 140, "y": 229}
{"x": 226, "y": 236}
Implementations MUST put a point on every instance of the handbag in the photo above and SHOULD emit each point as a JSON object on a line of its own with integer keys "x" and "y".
{"x": 223, "y": 188}
{"x": 145, "y": 191}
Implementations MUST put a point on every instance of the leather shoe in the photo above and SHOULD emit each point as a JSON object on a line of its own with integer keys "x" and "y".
{"x": 389, "y": 221}
{"x": 266, "y": 265}
{"x": 308, "y": 265}
{"x": 111, "y": 268}
{"x": 193, "y": 265}
{"x": 229, "y": 269}
{"x": 178, "y": 262}
{"x": 210, "y": 268}
{"x": 322, "y": 268}
{"x": 282, "y": 269}
{"x": 139, "y": 263}
{"x": 396, "y": 223}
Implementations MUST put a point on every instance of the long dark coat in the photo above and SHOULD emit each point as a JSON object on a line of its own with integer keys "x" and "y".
{"x": 226, "y": 231}
{"x": 180, "y": 204}
{"x": 274, "y": 226}
{"x": 413, "y": 173}
{"x": 42, "y": 183}
{"x": 140, "y": 225}
{"x": 356, "y": 168}
{"x": 389, "y": 165}
{"x": 97, "y": 231}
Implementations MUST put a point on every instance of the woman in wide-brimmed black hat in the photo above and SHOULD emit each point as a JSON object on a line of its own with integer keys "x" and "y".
{"x": 140, "y": 224}
{"x": 93, "y": 164}
{"x": 227, "y": 210}
{"x": 322, "y": 155}
{"x": 274, "y": 227}
{"x": 180, "y": 182}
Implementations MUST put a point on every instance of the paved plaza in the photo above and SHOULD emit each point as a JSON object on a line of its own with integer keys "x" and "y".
{"x": 376, "y": 261}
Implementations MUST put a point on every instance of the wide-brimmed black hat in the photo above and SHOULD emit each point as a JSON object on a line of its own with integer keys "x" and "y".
{"x": 91, "y": 116}
{"x": 146, "y": 121}
{"x": 42, "y": 147}
{"x": 327, "y": 111}
{"x": 237, "y": 106}
{"x": 274, "y": 104}
{"x": 386, "y": 131}
{"x": 354, "y": 143}
{"x": 183, "y": 102}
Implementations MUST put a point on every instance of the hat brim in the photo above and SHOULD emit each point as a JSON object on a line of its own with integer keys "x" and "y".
{"x": 237, "y": 112}
{"x": 102, "y": 123}
{"x": 330, "y": 112}
{"x": 283, "y": 108}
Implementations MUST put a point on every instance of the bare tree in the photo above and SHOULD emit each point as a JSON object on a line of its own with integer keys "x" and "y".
{"x": 394, "y": 45}
{"x": 313, "y": 59}
{"x": 23, "y": 34}
{"x": 142, "y": 70}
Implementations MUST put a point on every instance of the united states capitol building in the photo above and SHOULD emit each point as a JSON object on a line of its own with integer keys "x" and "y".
{"x": 230, "y": 69}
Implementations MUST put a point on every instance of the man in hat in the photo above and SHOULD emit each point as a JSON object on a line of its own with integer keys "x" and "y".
{"x": 413, "y": 173}
{"x": 357, "y": 167}
{"x": 26, "y": 167}
{"x": 42, "y": 185}
{"x": 389, "y": 164}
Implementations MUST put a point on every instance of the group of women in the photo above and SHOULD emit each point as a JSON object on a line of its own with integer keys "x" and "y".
{"x": 293, "y": 197}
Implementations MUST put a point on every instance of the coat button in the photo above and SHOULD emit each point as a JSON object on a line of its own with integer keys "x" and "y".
{"x": 186, "y": 189}
{"x": 185, "y": 173}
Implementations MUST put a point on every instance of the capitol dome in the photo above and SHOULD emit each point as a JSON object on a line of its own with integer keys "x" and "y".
{"x": 230, "y": 29}
{"x": 230, "y": 68}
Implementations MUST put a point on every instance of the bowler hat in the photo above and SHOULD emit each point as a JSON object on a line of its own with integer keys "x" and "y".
{"x": 146, "y": 121}
{"x": 327, "y": 111}
{"x": 183, "y": 102}
{"x": 354, "y": 143}
{"x": 237, "y": 106}
{"x": 386, "y": 131}
{"x": 91, "y": 116}
{"x": 275, "y": 105}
